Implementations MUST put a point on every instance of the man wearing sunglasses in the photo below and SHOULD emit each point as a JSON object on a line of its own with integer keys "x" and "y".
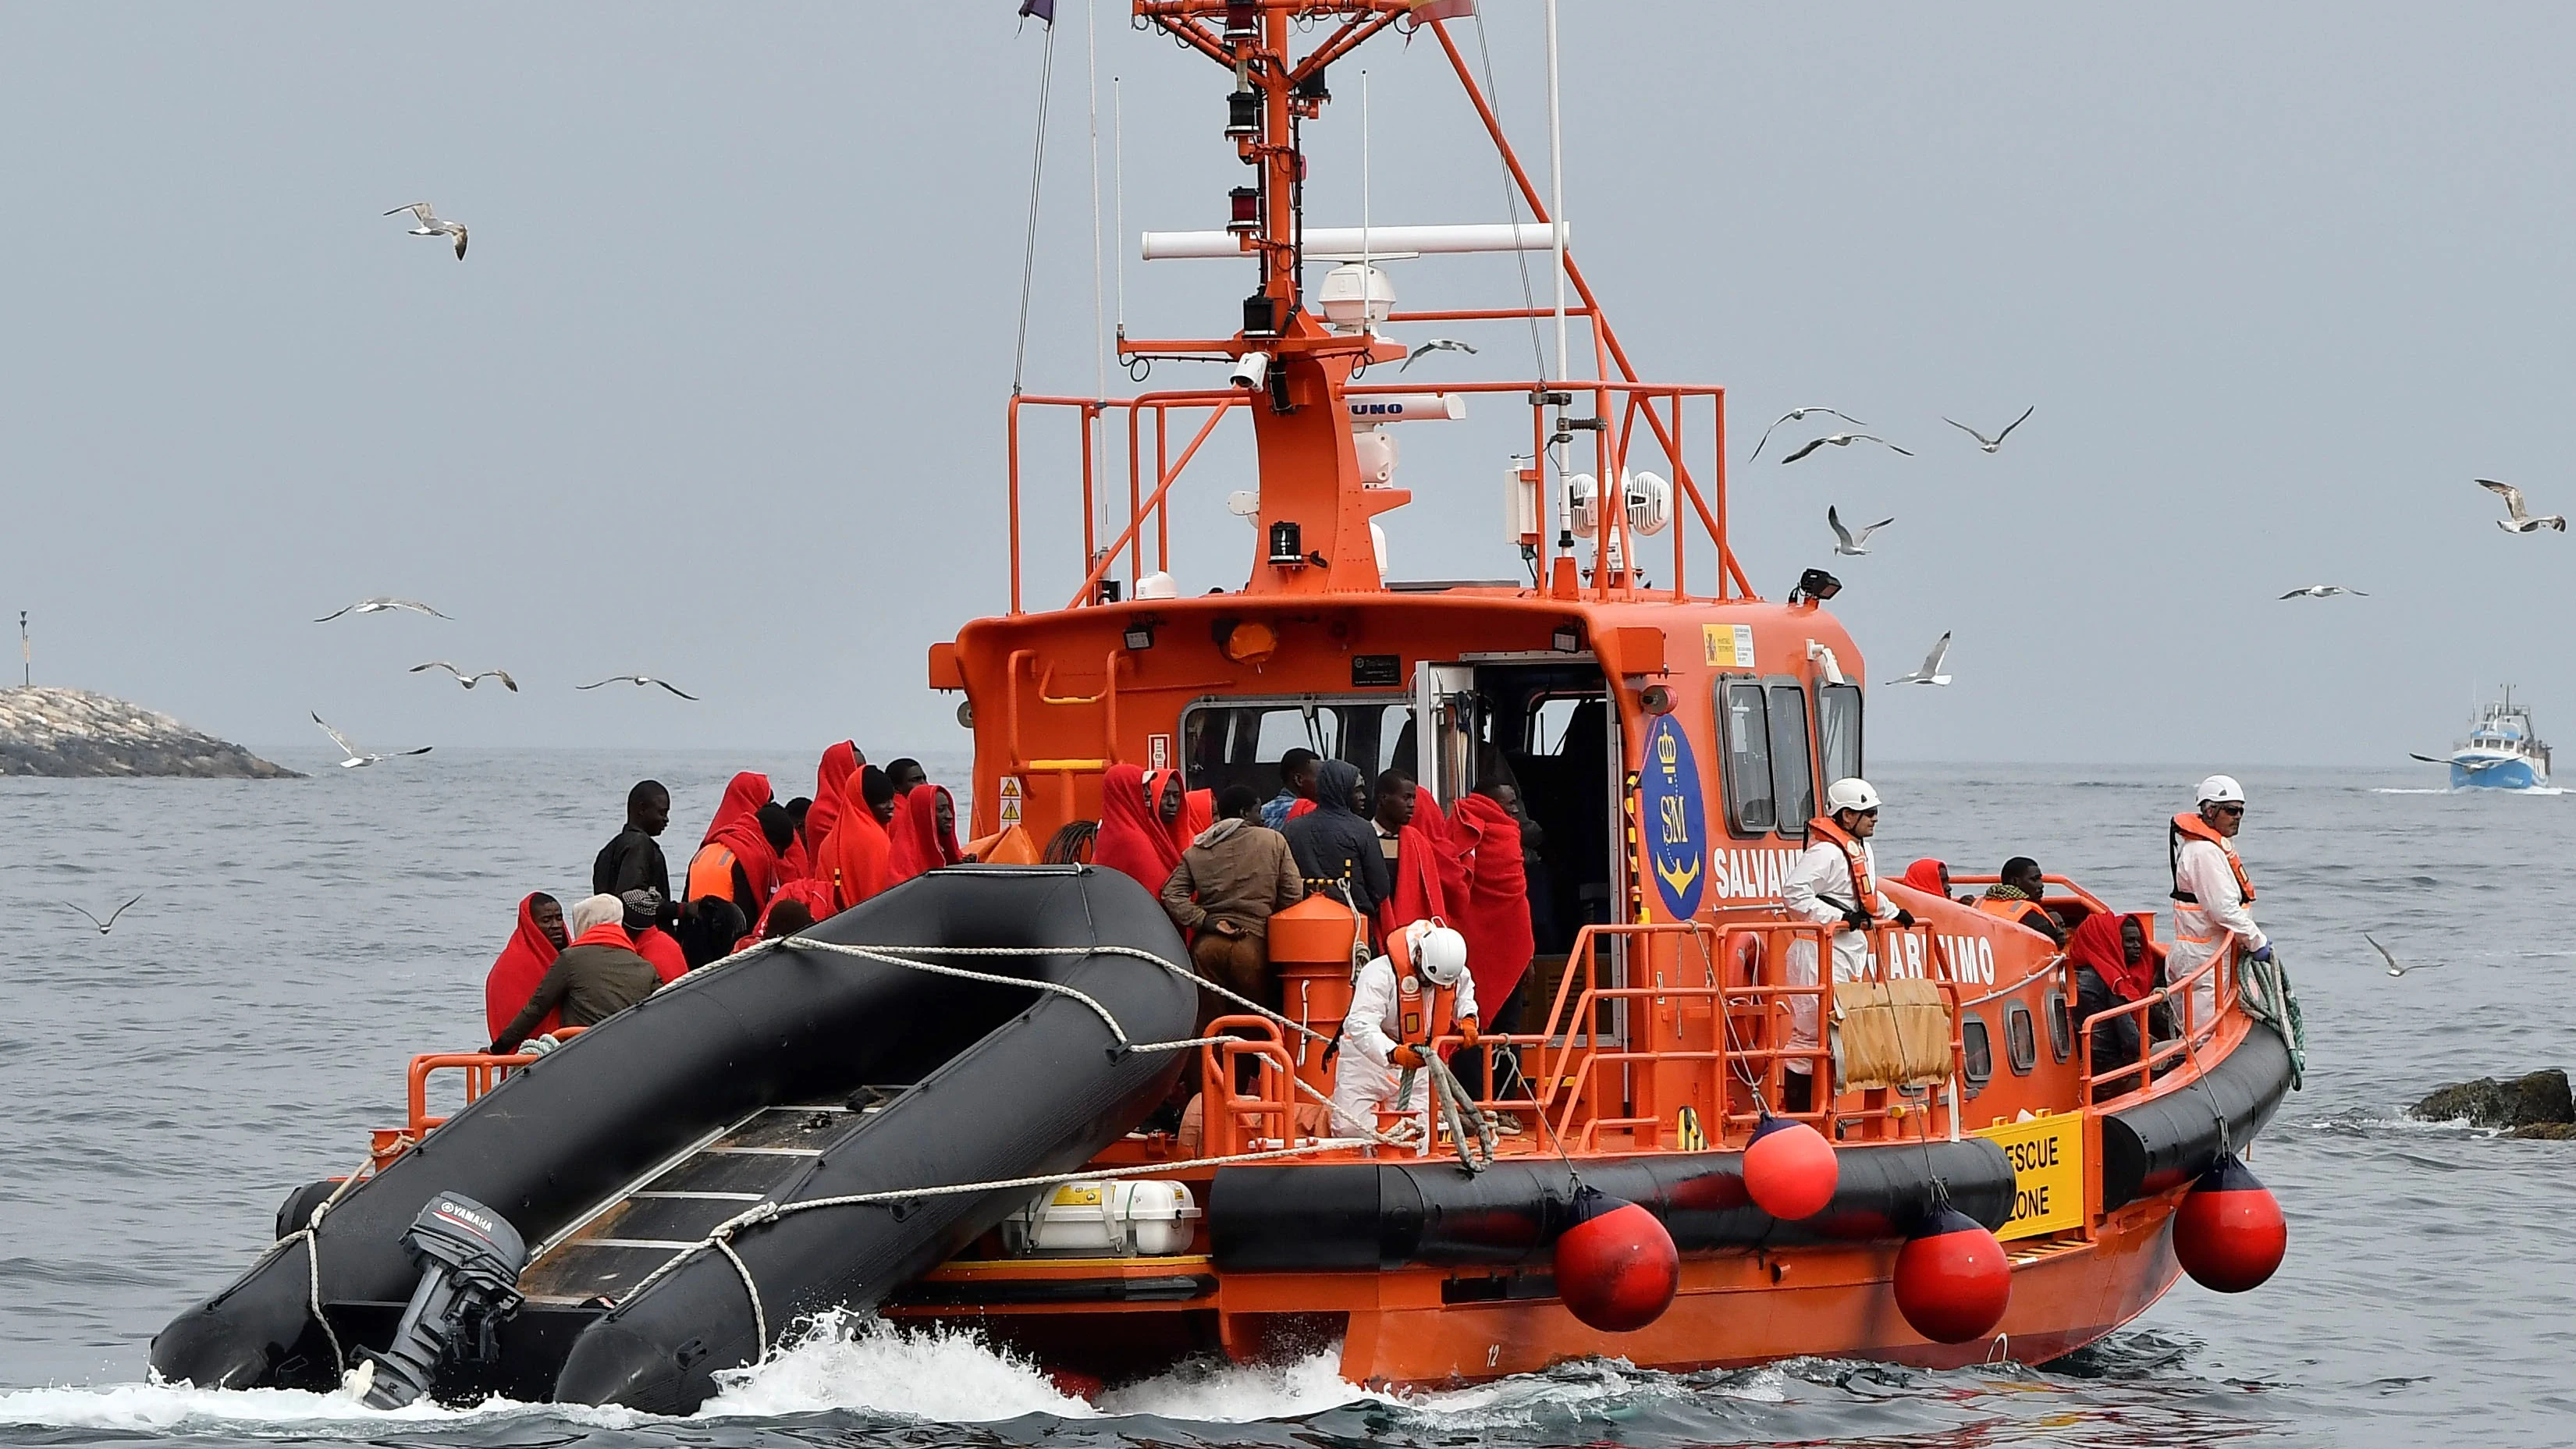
{"x": 2212, "y": 897}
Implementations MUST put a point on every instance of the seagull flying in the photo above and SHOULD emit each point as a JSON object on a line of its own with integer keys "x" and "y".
{"x": 1844, "y": 440}
{"x": 379, "y": 605}
{"x": 2472, "y": 766}
{"x": 110, "y": 923}
{"x": 638, "y": 679}
{"x": 1797, "y": 415}
{"x": 357, "y": 759}
{"x": 1436, "y": 344}
{"x": 468, "y": 680}
{"x": 1995, "y": 443}
{"x": 430, "y": 225}
{"x": 2394, "y": 969}
{"x": 2325, "y": 591}
{"x": 1848, "y": 542}
{"x": 1930, "y": 673}
{"x": 2519, "y": 521}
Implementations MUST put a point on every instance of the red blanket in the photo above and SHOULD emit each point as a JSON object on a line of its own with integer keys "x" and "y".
{"x": 1493, "y": 913}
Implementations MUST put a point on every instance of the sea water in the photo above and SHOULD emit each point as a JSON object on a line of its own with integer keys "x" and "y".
{"x": 164, "y": 1086}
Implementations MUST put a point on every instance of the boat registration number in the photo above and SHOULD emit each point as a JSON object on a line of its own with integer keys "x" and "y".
{"x": 2047, "y": 1155}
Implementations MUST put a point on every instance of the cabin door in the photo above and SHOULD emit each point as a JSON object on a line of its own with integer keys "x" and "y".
{"x": 1449, "y": 727}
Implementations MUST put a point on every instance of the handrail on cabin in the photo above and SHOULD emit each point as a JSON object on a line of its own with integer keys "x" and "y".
{"x": 1619, "y": 407}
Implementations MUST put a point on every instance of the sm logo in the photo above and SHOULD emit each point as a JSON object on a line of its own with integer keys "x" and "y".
{"x": 1674, "y": 818}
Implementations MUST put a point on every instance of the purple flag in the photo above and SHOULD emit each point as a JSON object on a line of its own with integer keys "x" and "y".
{"x": 1042, "y": 9}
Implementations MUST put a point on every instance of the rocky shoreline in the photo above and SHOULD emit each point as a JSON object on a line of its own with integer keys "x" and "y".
{"x": 2536, "y": 1105}
{"x": 73, "y": 734}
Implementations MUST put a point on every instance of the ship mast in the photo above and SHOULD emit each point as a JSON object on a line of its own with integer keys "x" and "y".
{"x": 1314, "y": 519}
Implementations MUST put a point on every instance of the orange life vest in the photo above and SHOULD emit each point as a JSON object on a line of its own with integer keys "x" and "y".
{"x": 1856, "y": 858}
{"x": 2199, "y": 829}
{"x": 711, "y": 873}
{"x": 1423, "y": 1013}
{"x": 2010, "y": 909}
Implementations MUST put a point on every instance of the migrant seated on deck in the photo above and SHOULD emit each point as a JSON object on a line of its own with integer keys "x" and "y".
{"x": 596, "y": 977}
{"x": 2015, "y": 897}
{"x": 1403, "y": 1002}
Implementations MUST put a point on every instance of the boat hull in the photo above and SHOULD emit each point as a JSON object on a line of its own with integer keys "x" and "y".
{"x": 2497, "y": 773}
{"x": 1427, "y": 1277}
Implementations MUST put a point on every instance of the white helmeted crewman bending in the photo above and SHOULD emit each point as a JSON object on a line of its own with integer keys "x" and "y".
{"x": 1835, "y": 885}
{"x": 2212, "y": 896}
{"x": 1405, "y": 1000}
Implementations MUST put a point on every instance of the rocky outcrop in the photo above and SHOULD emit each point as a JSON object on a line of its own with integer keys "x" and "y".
{"x": 74, "y": 734}
{"x": 2527, "y": 1105}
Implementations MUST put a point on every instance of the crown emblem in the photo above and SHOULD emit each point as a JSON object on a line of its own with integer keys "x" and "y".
{"x": 1667, "y": 750}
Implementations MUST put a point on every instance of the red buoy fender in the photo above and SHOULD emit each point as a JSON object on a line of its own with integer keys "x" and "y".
{"x": 1790, "y": 1170}
{"x": 1616, "y": 1268}
{"x": 1952, "y": 1278}
{"x": 2229, "y": 1234}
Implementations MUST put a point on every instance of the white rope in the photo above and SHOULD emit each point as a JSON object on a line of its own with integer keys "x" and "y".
{"x": 720, "y": 1237}
{"x": 1037, "y": 173}
{"x": 880, "y": 955}
{"x": 313, "y": 1261}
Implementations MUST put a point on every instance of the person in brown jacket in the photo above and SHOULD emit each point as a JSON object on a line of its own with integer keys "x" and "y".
{"x": 1230, "y": 879}
{"x": 596, "y": 977}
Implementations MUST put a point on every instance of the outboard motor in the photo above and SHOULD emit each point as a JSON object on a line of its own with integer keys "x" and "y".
{"x": 470, "y": 1257}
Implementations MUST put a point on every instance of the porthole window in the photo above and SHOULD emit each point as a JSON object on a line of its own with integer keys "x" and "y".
{"x": 1980, "y": 1063}
{"x": 2061, "y": 1027}
{"x": 2021, "y": 1038}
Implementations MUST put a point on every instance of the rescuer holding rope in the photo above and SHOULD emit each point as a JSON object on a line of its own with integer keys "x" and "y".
{"x": 2211, "y": 894}
{"x": 1405, "y": 1000}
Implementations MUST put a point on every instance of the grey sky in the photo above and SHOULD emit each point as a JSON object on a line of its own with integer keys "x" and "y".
{"x": 718, "y": 394}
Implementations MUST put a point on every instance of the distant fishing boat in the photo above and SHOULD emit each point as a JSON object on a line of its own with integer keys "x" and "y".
{"x": 2501, "y": 752}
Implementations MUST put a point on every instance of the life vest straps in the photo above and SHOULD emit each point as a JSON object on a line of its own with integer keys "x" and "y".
{"x": 1855, "y": 858}
{"x": 2198, "y": 829}
{"x": 1423, "y": 1013}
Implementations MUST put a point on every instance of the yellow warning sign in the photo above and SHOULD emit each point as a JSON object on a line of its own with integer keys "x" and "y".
{"x": 2047, "y": 1156}
{"x": 1011, "y": 800}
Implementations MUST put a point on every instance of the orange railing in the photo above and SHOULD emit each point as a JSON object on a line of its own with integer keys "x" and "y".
{"x": 482, "y": 1072}
{"x": 1232, "y": 1119}
{"x": 1708, "y": 1025}
{"x": 2191, "y": 1032}
{"x": 1650, "y": 420}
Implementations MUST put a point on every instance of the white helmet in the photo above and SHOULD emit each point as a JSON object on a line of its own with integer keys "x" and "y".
{"x": 1852, "y": 793}
{"x": 1439, "y": 953}
{"x": 2221, "y": 790}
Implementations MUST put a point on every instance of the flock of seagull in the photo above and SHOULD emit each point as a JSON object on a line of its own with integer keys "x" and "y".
{"x": 385, "y": 604}
{"x": 1854, "y": 542}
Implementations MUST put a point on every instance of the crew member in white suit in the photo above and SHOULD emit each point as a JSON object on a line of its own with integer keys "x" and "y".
{"x": 1834, "y": 884}
{"x": 1403, "y": 1002}
{"x": 2212, "y": 896}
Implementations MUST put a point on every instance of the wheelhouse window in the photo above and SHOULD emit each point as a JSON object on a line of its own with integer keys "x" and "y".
{"x": 1838, "y": 731}
{"x": 1749, "y": 806}
{"x": 1792, "y": 788}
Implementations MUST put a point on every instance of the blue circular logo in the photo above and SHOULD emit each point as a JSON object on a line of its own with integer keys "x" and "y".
{"x": 1673, "y": 819}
